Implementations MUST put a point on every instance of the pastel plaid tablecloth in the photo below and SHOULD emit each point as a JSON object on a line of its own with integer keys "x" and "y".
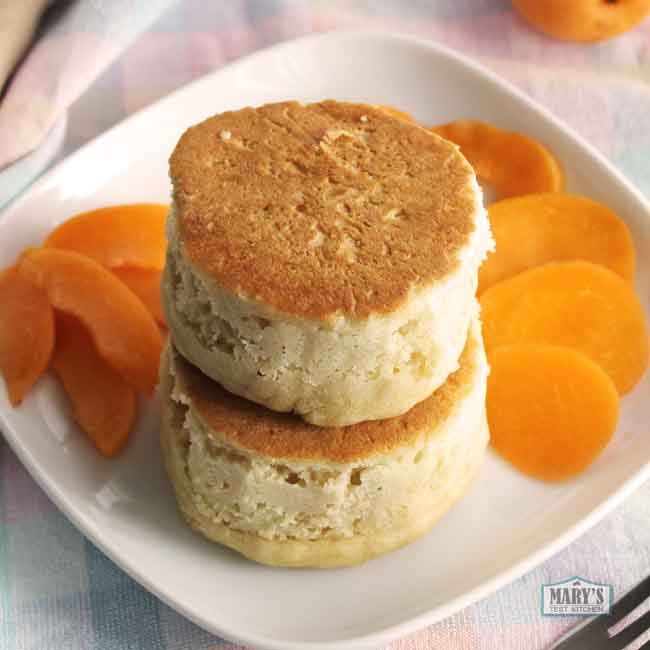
{"x": 57, "y": 591}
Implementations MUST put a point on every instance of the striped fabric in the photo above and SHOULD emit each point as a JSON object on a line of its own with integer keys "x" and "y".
{"x": 57, "y": 591}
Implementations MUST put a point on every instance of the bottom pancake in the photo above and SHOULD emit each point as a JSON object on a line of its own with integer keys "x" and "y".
{"x": 287, "y": 493}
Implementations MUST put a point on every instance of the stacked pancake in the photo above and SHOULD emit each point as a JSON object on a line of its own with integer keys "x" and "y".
{"x": 324, "y": 386}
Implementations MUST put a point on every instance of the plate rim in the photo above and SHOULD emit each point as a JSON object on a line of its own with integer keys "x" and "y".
{"x": 482, "y": 590}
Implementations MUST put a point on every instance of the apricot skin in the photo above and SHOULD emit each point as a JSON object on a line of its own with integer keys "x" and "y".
{"x": 510, "y": 163}
{"x": 122, "y": 328}
{"x": 578, "y": 305}
{"x": 582, "y": 20}
{"x": 533, "y": 230}
{"x": 121, "y": 235}
{"x": 26, "y": 333}
{"x": 145, "y": 283}
{"x": 550, "y": 409}
{"x": 103, "y": 404}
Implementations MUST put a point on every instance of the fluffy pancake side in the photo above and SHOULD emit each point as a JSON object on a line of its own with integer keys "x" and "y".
{"x": 263, "y": 484}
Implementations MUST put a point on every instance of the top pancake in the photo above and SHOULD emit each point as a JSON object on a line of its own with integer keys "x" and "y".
{"x": 321, "y": 209}
{"x": 249, "y": 426}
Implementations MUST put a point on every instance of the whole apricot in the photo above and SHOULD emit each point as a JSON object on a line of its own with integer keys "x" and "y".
{"x": 582, "y": 20}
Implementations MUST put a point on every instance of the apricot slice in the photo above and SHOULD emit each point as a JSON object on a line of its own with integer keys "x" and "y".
{"x": 103, "y": 404}
{"x": 395, "y": 112}
{"x": 550, "y": 409}
{"x": 583, "y": 20}
{"x": 511, "y": 164}
{"x": 555, "y": 227}
{"x": 124, "y": 332}
{"x": 26, "y": 333}
{"x": 123, "y": 235}
{"x": 145, "y": 283}
{"x": 576, "y": 304}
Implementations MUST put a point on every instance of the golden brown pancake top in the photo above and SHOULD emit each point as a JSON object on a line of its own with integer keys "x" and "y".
{"x": 321, "y": 209}
{"x": 251, "y": 427}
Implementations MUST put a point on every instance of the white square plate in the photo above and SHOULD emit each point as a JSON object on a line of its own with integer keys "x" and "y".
{"x": 502, "y": 528}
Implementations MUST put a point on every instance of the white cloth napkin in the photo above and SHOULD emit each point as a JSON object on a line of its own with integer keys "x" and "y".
{"x": 76, "y": 42}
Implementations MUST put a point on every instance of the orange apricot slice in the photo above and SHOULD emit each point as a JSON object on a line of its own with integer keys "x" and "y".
{"x": 124, "y": 332}
{"x": 555, "y": 227}
{"x": 26, "y": 333}
{"x": 395, "y": 112}
{"x": 512, "y": 164}
{"x": 145, "y": 283}
{"x": 583, "y": 20}
{"x": 123, "y": 235}
{"x": 550, "y": 409}
{"x": 575, "y": 304}
{"x": 103, "y": 404}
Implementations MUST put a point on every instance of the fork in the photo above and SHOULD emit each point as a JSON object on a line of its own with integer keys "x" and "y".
{"x": 594, "y": 634}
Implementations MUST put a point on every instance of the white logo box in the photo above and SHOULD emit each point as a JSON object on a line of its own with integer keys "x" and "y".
{"x": 576, "y": 597}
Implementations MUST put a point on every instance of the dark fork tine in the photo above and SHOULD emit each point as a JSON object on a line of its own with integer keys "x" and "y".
{"x": 634, "y": 630}
{"x": 596, "y": 631}
{"x": 588, "y": 637}
{"x": 631, "y": 600}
